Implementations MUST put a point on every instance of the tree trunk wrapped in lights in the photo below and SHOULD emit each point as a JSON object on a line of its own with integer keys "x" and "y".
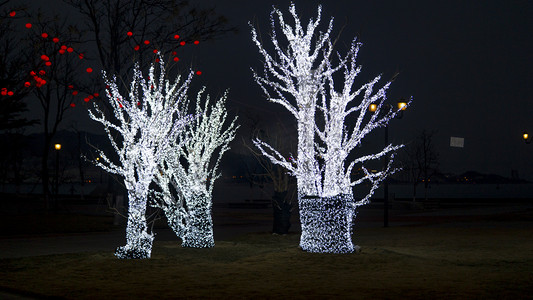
{"x": 300, "y": 77}
{"x": 190, "y": 169}
{"x": 146, "y": 121}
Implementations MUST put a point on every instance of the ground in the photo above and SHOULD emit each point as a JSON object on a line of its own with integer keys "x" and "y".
{"x": 429, "y": 256}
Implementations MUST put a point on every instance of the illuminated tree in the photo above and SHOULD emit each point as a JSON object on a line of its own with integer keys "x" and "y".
{"x": 190, "y": 169}
{"x": 148, "y": 119}
{"x": 302, "y": 78}
{"x": 300, "y": 73}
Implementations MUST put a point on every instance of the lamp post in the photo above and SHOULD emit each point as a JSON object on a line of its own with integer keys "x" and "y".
{"x": 56, "y": 179}
{"x": 401, "y": 105}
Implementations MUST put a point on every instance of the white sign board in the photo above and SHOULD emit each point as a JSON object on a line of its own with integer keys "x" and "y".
{"x": 457, "y": 142}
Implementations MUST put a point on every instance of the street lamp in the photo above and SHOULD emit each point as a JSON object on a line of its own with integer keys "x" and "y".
{"x": 56, "y": 187}
{"x": 526, "y": 137}
{"x": 401, "y": 106}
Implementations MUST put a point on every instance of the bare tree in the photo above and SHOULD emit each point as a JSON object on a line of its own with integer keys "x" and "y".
{"x": 53, "y": 67}
{"x": 140, "y": 26}
{"x": 284, "y": 193}
{"x": 421, "y": 161}
{"x": 13, "y": 73}
{"x": 12, "y": 94}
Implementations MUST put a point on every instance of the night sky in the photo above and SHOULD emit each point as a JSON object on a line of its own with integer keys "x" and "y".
{"x": 467, "y": 64}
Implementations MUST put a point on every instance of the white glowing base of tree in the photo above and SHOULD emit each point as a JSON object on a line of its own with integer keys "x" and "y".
{"x": 138, "y": 240}
{"x": 327, "y": 224}
{"x": 193, "y": 225}
{"x": 199, "y": 230}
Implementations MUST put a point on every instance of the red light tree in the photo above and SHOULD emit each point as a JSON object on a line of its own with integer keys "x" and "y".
{"x": 53, "y": 68}
{"x": 118, "y": 27}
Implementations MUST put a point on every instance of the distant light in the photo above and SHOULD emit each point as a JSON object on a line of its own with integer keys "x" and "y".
{"x": 130, "y": 33}
{"x": 182, "y": 43}
{"x": 146, "y": 42}
{"x": 373, "y": 107}
{"x": 177, "y": 36}
{"x": 12, "y": 14}
{"x": 55, "y": 40}
{"x": 28, "y": 25}
{"x": 89, "y": 70}
{"x": 526, "y": 138}
{"x": 402, "y": 105}
{"x": 198, "y": 72}
{"x": 57, "y": 146}
{"x": 196, "y": 42}
{"x": 44, "y": 35}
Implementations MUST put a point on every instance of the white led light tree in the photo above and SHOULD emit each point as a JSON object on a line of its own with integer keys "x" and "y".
{"x": 306, "y": 86}
{"x": 299, "y": 71}
{"x": 147, "y": 119}
{"x": 190, "y": 167}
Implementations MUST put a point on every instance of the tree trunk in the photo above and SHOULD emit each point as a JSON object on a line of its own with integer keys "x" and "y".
{"x": 138, "y": 240}
{"x": 426, "y": 186}
{"x": 282, "y": 213}
{"x": 45, "y": 174}
{"x": 307, "y": 177}
{"x": 327, "y": 223}
{"x": 199, "y": 229}
{"x": 174, "y": 219}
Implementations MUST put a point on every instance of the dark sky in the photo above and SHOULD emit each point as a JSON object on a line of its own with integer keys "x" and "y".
{"x": 467, "y": 64}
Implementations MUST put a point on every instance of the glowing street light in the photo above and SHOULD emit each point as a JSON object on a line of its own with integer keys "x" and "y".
{"x": 401, "y": 105}
{"x": 56, "y": 179}
{"x": 526, "y": 137}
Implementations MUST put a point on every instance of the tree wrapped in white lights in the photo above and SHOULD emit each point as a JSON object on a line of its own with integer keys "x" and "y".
{"x": 300, "y": 72}
{"x": 147, "y": 119}
{"x": 301, "y": 78}
{"x": 190, "y": 167}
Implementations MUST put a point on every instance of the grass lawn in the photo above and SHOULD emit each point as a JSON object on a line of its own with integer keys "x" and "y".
{"x": 411, "y": 262}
